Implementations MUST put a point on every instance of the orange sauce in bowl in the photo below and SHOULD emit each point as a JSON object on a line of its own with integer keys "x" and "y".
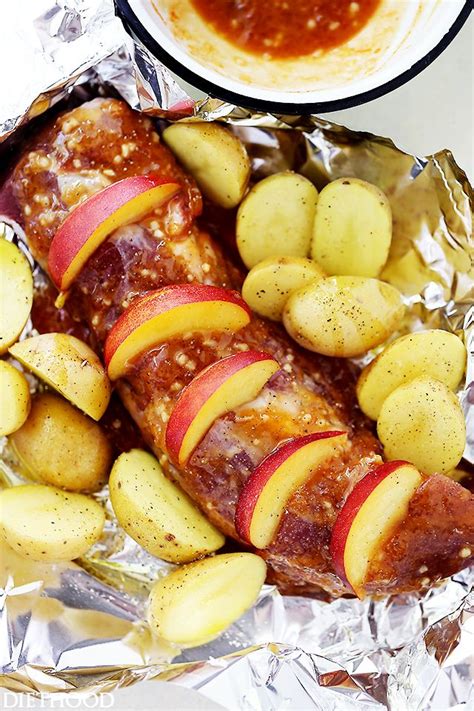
{"x": 286, "y": 28}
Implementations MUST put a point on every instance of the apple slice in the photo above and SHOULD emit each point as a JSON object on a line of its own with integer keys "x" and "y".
{"x": 91, "y": 222}
{"x": 266, "y": 492}
{"x": 218, "y": 389}
{"x": 377, "y": 503}
{"x": 69, "y": 366}
{"x": 169, "y": 313}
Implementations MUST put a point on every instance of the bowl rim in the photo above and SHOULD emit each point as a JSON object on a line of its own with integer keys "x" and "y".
{"x": 132, "y": 22}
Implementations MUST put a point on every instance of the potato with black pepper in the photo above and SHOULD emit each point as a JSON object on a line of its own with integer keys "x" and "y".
{"x": 343, "y": 316}
{"x": 58, "y": 445}
{"x": 352, "y": 228}
{"x": 14, "y": 398}
{"x": 435, "y": 352}
{"x": 214, "y": 156}
{"x": 423, "y": 423}
{"x": 156, "y": 513}
{"x": 196, "y": 602}
{"x": 276, "y": 218}
{"x": 48, "y": 525}
{"x": 68, "y": 365}
{"x": 16, "y": 293}
{"x": 270, "y": 283}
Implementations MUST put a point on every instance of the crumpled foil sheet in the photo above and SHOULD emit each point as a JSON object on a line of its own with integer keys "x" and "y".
{"x": 79, "y": 627}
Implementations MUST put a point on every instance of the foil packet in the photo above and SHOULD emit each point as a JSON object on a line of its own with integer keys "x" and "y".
{"x": 78, "y": 628}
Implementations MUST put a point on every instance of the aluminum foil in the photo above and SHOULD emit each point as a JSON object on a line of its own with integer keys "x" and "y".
{"x": 78, "y": 628}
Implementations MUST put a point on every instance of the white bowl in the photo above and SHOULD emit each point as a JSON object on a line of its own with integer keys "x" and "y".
{"x": 402, "y": 38}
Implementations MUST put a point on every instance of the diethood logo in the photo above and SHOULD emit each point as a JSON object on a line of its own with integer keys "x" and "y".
{"x": 11, "y": 700}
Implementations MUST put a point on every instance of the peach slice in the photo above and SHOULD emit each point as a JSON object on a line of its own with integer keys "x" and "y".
{"x": 375, "y": 506}
{"x": 169, "y": 313}
{"x": 91, "y": 222}
{"x": 265, "y": 495}
{"x": 218, "y": 389}
{"x": 69, "y": 366}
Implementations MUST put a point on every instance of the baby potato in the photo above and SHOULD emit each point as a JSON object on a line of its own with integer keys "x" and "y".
{"x": 196, "y": 602}
{"x": 423, "y": 423}
{"x": 270, "y": 283}
{"x": 214, "y": 156}
{"x": 48, "y": 525}
{"x": 343, "y": 316}
{"x": 14, "y": 398}
{"x": 69, "y": 366}
{"x": 156, "y": 513}
{"x": 58, "y": 445}
{"x": 276, "y": 218}
{"x": 352, "y": 228}
{"x": 437, "y": 353}
{"x": 16, "y": 293}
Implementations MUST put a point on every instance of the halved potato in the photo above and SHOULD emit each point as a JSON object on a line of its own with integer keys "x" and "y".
{"x": 196, "y": 602}
{"x": 46, "y": 524}
{"x": 343, "y": 316}
{"x": 423, "y": 423}
{"x": 271, "y": 282}
{"x": 58, "y": 445}
{"x": 14, "y": 398}
{"x": 156, "y": 513}
{"x": 437, "y": 353}
{"x": 352, "y": 228}
{"x": 214, "y": 156}
{"x": 276, "y": 218}
{"x": 69, "y": 366}
{"x": 16, "y": 293}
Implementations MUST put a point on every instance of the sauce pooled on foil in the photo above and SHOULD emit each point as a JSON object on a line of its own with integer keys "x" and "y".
{"x": 285, "y": 28}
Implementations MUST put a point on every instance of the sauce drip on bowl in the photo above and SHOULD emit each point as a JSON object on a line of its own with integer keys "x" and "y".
{"x": 286, "y": 28}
